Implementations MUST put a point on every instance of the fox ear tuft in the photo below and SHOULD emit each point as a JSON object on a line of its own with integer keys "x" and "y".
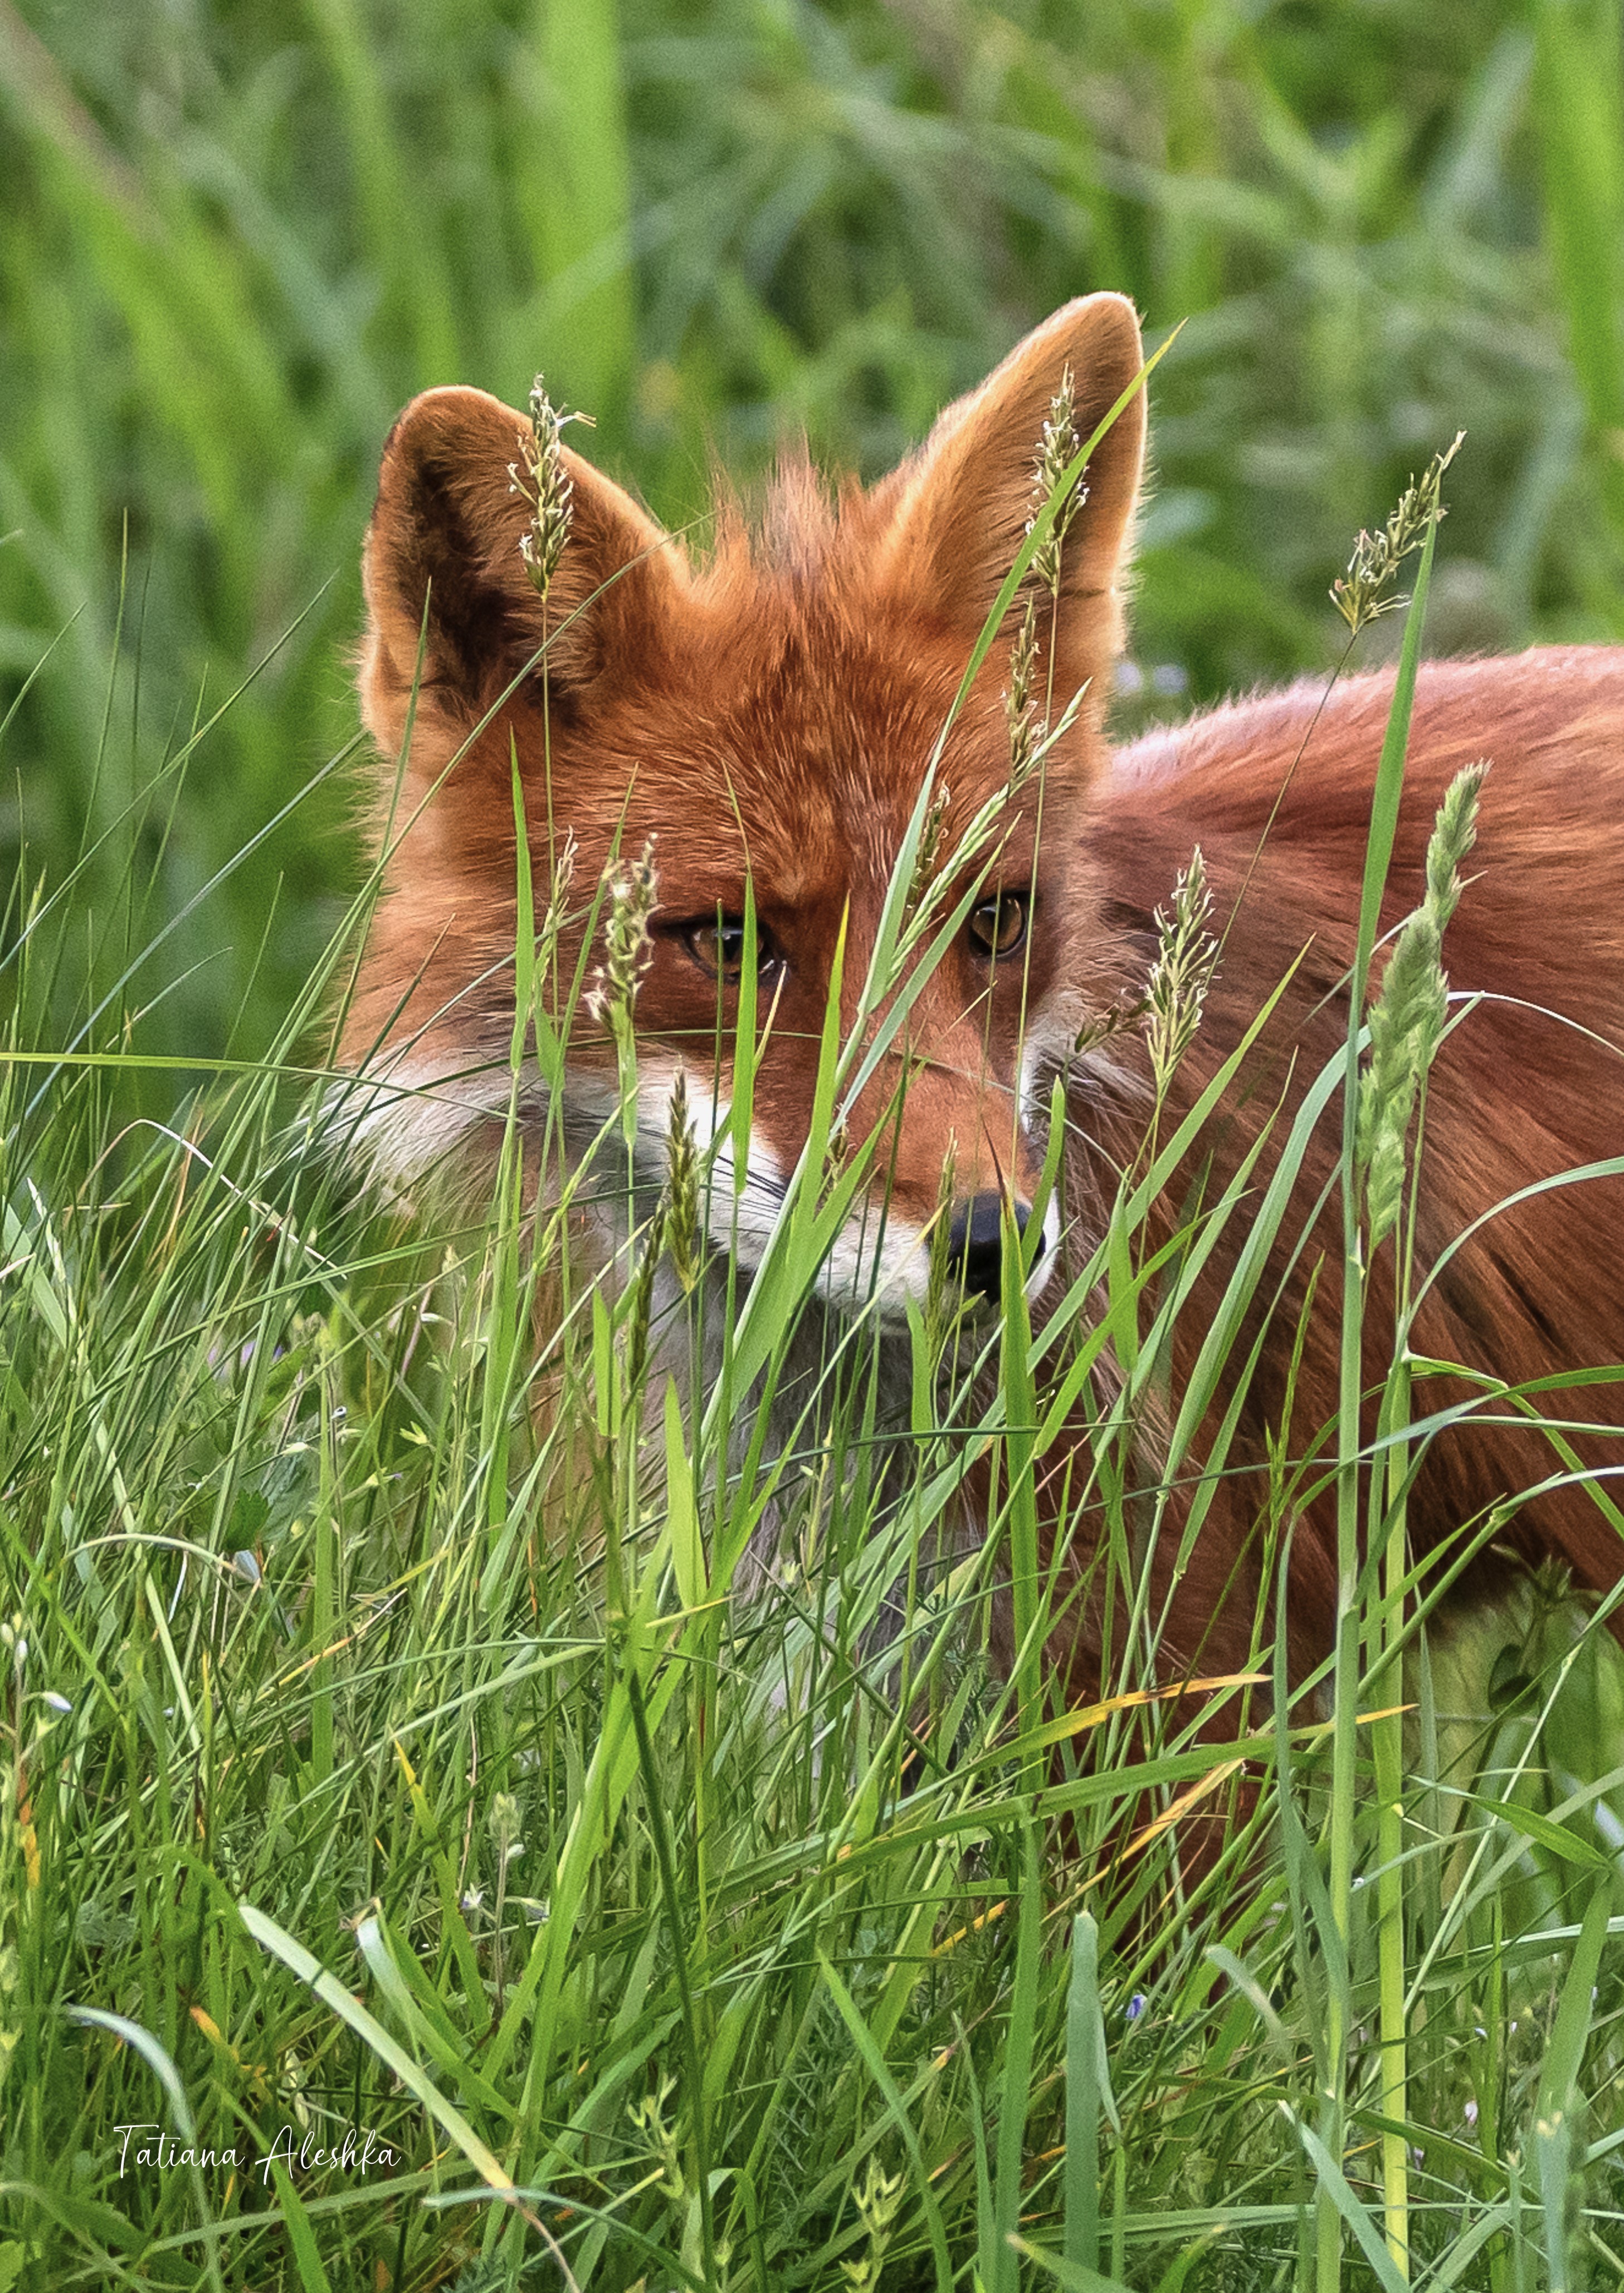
{"x": 452, "y": 609}
{"x": 960, "y": 507}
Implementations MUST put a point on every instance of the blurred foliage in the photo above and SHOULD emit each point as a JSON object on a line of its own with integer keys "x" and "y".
{"x": 237, "y": 236}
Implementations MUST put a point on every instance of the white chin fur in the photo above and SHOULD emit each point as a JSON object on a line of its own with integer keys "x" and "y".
{"x": 876, "y": 1255}
{"x": 408, "y": 1116}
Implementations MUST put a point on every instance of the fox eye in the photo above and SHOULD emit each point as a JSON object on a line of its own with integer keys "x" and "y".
{"x": 998, "y": 926}
{"x": 718, "y": 947}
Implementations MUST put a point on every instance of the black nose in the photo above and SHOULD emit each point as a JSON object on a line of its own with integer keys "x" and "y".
{"x": 975, "y": 1247}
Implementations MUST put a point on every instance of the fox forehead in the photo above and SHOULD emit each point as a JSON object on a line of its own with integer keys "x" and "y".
{"x": 776, "y": 742}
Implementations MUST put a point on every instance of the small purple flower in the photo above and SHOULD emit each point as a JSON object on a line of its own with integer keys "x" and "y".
{"x": 1135, "y": 2007}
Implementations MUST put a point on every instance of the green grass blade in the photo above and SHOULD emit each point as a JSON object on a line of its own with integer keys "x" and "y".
{"x": 1578, "y": 85}
{"x": 1333, "y": 2183}
{"x": 1071, "y": 2276}
{"x": 310, "y": 1971}
{"x": 1015, "y": 2085}
{"x": 574, "y": 186}
{"x": 1088, "y": 2091}
{"x": 874, "y": 2062}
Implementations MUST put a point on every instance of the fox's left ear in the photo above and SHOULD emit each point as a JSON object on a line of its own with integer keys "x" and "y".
{"x": 960, "y": 507}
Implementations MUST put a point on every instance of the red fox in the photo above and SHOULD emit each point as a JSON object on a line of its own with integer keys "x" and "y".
{"x": 766, "y": 717}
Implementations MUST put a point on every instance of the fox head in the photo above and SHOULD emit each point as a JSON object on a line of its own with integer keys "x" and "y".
{"x": 763, "y": 719}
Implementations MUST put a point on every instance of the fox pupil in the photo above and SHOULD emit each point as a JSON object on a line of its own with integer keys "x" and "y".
{"x": 998, "y": 926}
{"x": 719, "y": 949}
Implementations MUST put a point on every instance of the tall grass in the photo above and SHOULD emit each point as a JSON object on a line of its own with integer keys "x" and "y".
{"x": 391, "y": 1749}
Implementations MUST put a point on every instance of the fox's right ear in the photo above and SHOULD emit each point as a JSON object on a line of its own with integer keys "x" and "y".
{"x": 451, "y": 607}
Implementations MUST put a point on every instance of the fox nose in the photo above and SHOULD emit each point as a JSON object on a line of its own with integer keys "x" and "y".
{"x": 975, "y": 1247}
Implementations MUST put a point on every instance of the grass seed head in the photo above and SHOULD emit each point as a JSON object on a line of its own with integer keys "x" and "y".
{"x": 540, "y": 478}
{"x": 1454, "y": 833}
{"x": 940, "y": 1299}
{"x": 1103, "y": 1026}
{"x": 1187, "y": 957}
{"x": 649, "y": 2118}
{"x": 682, "y": 1228}
{"x": 877, "y": 2201}
{"x": 554, "y": 911}
{"x": 640, "y": 1309}
{"x": 504, "y": 1824}
{"x": 1406, "y": 1019}
{"x": 929, "y": 858}
{"x": 633, "y": 896}
{"x": 1366, "y": 591}
{"x": 1019, "y": 704}
{"x": 1057, "y": 451}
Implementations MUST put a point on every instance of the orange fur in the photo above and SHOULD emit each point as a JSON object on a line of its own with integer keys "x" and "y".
{"x": 768, "y": 713}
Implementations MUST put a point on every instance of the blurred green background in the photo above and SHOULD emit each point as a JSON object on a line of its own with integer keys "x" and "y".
{"x": 235, "y": 237}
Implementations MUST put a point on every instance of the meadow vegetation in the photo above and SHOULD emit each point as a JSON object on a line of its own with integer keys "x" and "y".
{"x": 380, "y": 1750}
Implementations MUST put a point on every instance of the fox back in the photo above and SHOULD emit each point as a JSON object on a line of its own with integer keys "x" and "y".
{"x": 1513, "y": 1251}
